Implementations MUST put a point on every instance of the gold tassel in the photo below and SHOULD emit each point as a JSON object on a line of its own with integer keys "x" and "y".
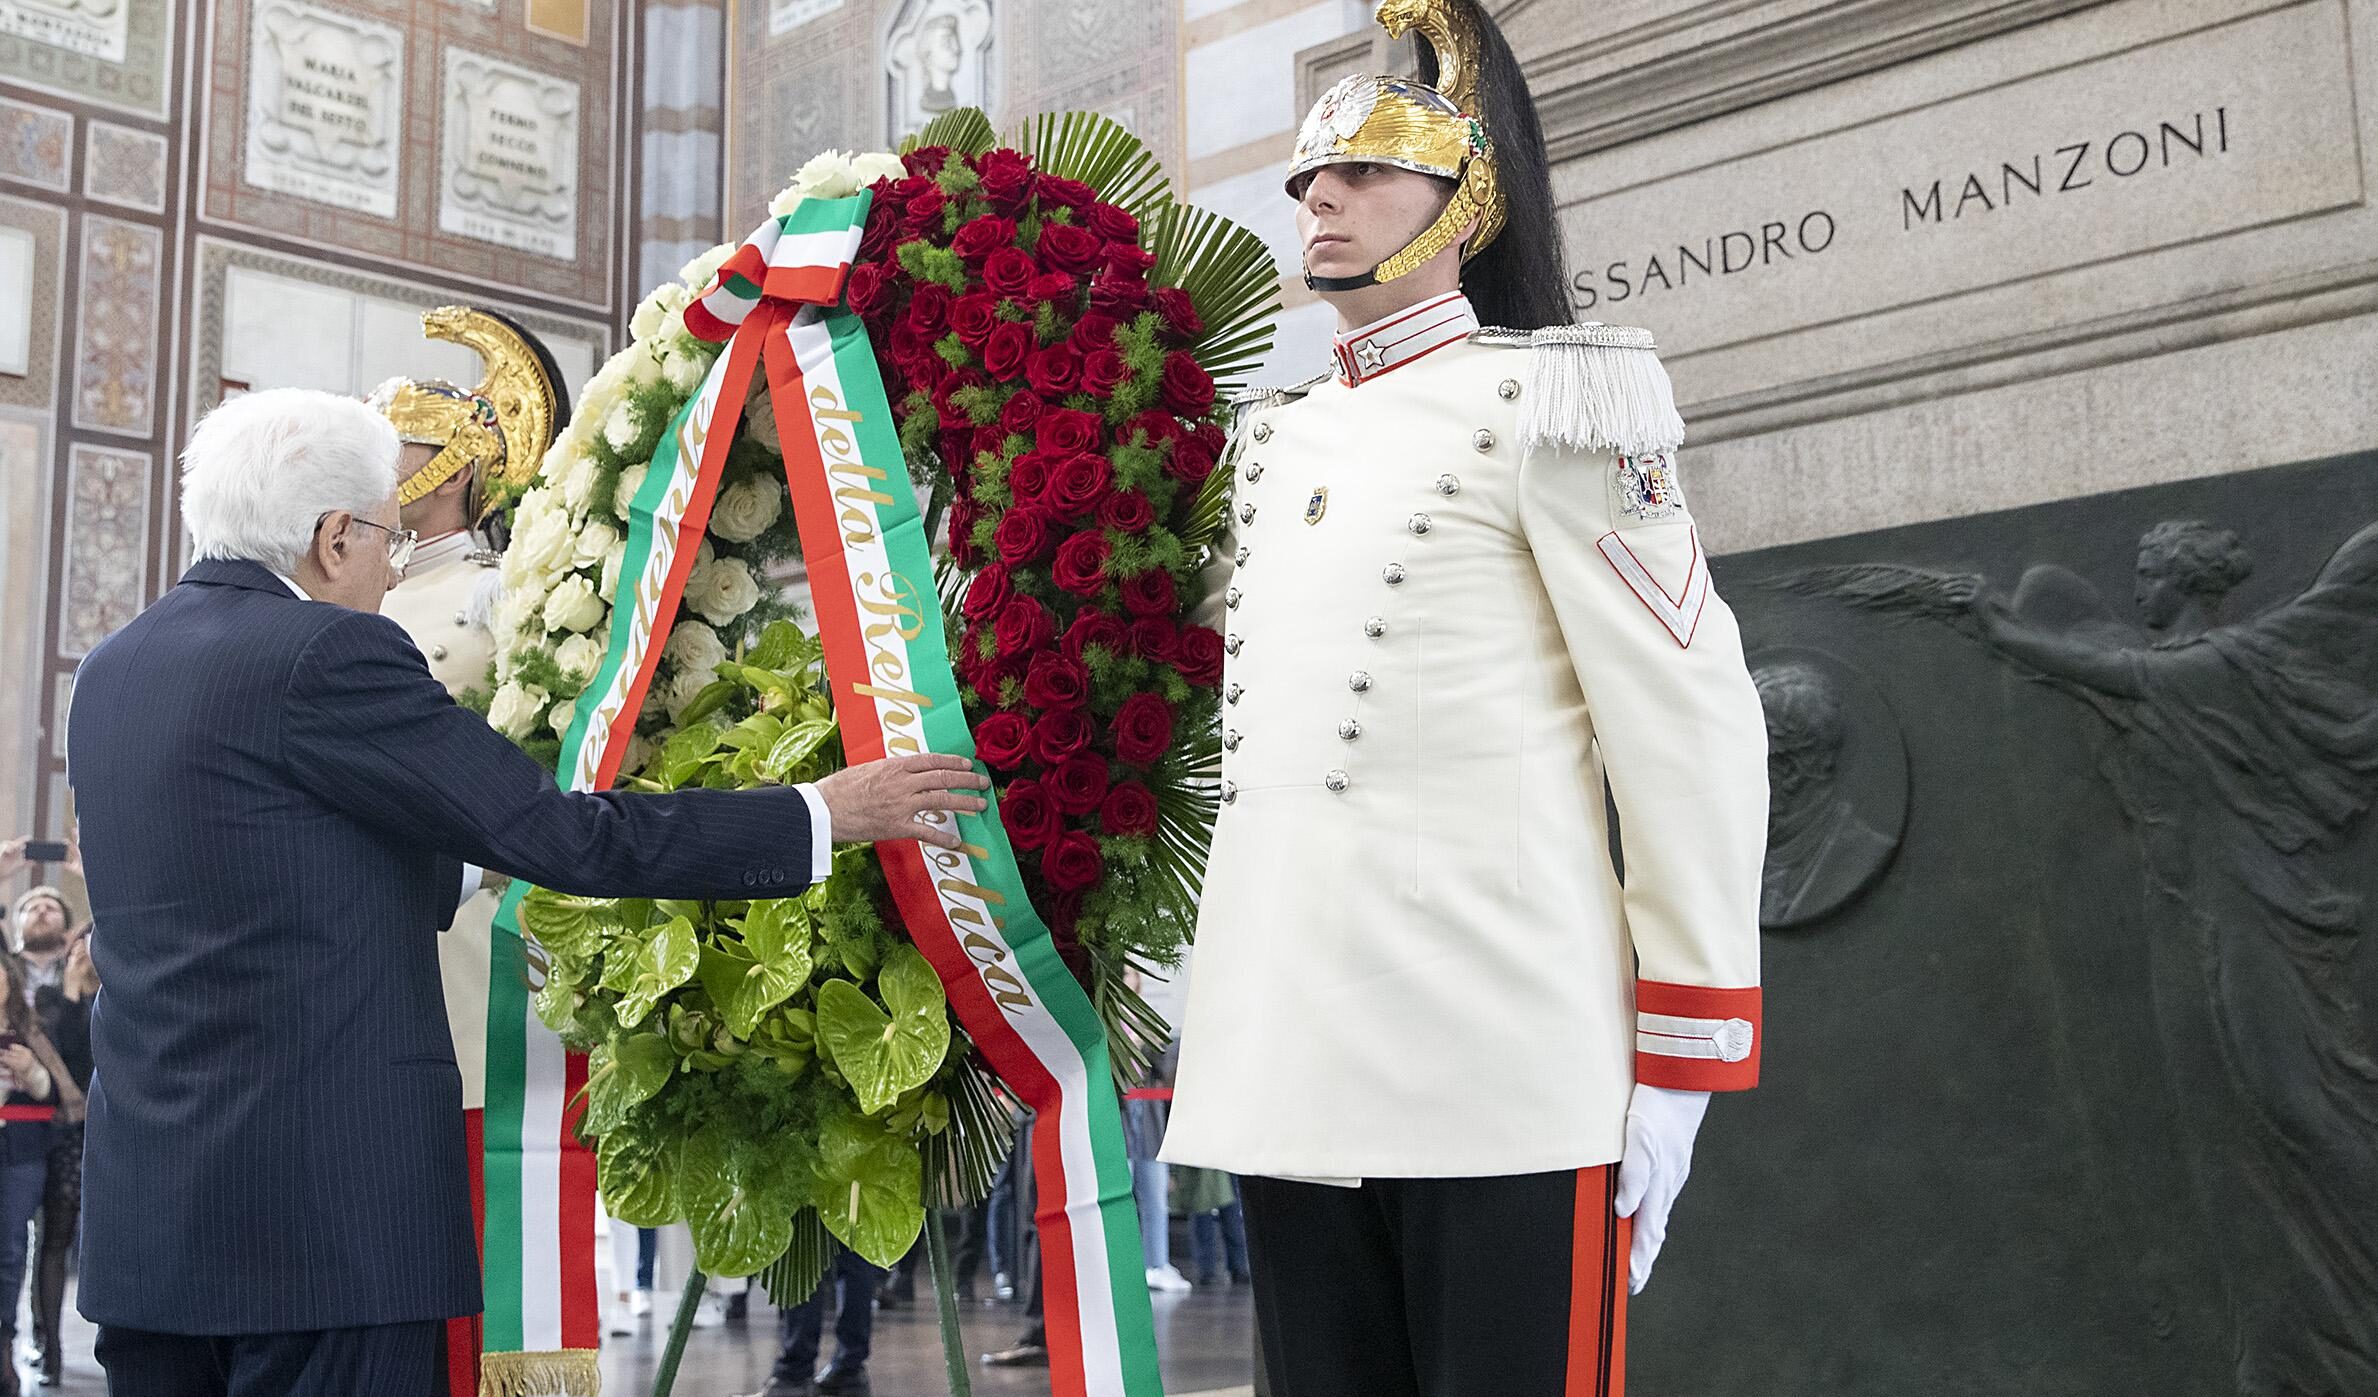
{"x": 561, "y": 1373}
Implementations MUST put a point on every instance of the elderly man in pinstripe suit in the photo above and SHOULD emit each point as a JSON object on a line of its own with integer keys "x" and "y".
{"x": 278, "y": 803}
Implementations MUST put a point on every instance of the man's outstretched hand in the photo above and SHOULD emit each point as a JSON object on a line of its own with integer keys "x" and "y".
{"x": 882, "y": 800}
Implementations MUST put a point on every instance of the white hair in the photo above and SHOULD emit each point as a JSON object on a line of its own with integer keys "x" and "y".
{"x": 262, "y": 469}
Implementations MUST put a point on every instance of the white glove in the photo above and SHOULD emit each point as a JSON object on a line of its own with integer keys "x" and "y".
{"x": 1661, "y": 1124}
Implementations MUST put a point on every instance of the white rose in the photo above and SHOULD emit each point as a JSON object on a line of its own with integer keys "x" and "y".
{"x": 696, "y": 275}
{"x": 623, "y": 426}
{"x": 573, "y": 605}
{"x": 564, "y": 713}
{"x": 630, "y": 481}
{"x": 577, "y": 483}
{"x": 647, "y": 318}
{"x": 513, "y": 712}
{"x": 518, "y": 611}
{"x": 746, "y": 509}
{"x": 684, "y": 689}
{"x": 875, "y": 165}
{"x": 722, "y": 590}
{"x": 759, "y": 416}
{"x": 696, "y": 648}
{"x": 581, "y": 655}
{"x": 612, "y": 562}
{"x": 684, "y": 371}
{"x": 594, "y": 545}
{"x": 542, "y": 540}
{"x": 645, "y": 368}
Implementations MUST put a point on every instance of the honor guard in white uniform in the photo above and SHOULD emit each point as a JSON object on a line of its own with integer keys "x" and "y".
{"x": 1462, "y": 595}
{"x": 467, "y": 454}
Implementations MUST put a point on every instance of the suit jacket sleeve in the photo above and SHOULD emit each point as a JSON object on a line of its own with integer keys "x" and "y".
{"x": 367, "y": 729}
{"x": 1684, "y": 743}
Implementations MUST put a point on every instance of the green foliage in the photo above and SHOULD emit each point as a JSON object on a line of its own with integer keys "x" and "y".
{"x": 1229, "y": 276}
{"x": 1099, "y": 152}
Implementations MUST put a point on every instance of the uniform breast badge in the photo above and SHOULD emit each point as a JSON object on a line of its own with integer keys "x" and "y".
{"x": 1318, "y": 505}
{"x": 1643, "y": 489}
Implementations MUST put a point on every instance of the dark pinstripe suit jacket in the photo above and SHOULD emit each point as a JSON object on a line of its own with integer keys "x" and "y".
{"x": 275, "y": 796}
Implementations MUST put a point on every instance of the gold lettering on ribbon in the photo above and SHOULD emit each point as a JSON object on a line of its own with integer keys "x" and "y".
{"x": 980, "y": 930}
{"x": 849, "y": 475}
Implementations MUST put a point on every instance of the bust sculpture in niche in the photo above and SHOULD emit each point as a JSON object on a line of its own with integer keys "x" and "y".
{"x": 1820, "y": 851}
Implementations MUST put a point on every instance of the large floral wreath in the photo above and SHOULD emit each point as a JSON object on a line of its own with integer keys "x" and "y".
{"x": 1050, "y": 327}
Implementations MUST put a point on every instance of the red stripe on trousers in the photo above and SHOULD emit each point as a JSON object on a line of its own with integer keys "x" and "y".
{"x": 1598, "y": 1289}
{"x": 464, "y": 1335}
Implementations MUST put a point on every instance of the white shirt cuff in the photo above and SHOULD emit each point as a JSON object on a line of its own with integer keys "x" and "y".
{"x": 821, "y": 834}
{"x": 471, "y": 874}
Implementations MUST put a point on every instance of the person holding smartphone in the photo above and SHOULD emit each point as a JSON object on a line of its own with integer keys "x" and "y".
{"x": 31, "y": 1080}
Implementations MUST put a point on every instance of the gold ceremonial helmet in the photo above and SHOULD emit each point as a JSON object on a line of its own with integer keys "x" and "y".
{"x": 502, "y": 427}
{"x": 1406, "y": 123}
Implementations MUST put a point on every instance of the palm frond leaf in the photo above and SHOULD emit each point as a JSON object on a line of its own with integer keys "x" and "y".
{"x": 962, "y": 1162}
{"x": 1202, "y": 529}
{"x": 1229, "y": 275}
{"x": 963, "y": 129}
{"x": 793, "y": 1277}
{"x": 1101, "y": 153}
{"x": 1136, "y": 1035}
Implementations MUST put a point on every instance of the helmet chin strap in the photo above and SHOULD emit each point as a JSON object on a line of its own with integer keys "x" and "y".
{"x": 1341, "y": 283}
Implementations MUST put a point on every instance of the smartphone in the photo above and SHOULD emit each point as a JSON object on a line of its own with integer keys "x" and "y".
{"x": 45, "y": 851}
{"x": 8, "y": 1040}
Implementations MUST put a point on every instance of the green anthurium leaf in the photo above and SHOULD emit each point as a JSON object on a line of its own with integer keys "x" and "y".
{"x": 776, "y": 936}
{"x": 765, "y": 681}
{"x": 667, "y": 960}
{"x": 557, "y": 999}
{"x": 868, "y": 1189}
{"x": 886, "y": 1052}
{"x": 721, "y": 970}
{"x": 739, "y": 1197}
{"x": 567, "y": 927}
{"x": 759, "y": 731}
{"x": 779, "y": 646}
{"x": 799, "y": 742}
{"x": 622, "y": 1075}
{"x": 688, "y": 750}
{"x": 712, "y": 698}
{"x": 678, "y": 907}
{"x": 638, "y": 1174}
{"x": 619, "y": 966}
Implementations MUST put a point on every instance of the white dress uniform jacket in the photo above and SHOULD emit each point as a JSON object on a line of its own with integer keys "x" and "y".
{"x": 1458, "y": 590}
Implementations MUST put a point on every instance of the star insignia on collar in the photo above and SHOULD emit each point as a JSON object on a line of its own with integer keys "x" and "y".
{"x": 1371, "y": 355}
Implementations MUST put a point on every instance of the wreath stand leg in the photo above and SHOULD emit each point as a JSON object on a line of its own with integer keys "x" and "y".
{"x": 945, "y": 1297}
{"x": 664, "y": 1379}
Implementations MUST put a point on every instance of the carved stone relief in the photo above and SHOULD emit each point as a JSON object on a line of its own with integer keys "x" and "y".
{"x": 325, "y": 106}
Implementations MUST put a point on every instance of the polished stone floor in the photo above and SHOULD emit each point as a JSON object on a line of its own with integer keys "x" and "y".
{"x": 1203, "y": 1339}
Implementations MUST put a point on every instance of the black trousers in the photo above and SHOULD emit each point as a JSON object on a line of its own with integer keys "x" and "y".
{"x": 382, "y": 1360}
{"x": 1492, "y": 1287}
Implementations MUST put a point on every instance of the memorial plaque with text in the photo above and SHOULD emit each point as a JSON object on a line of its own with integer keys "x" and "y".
{"x": 97, "y": 28}
{"x": 2236, "y": 125}
{"x": 510, "y": 158}
{"x": 785, "y": 16}
{"x": 325, "y": 98}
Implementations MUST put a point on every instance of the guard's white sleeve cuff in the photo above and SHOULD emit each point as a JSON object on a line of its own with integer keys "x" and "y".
{"x": 821, "y": 834}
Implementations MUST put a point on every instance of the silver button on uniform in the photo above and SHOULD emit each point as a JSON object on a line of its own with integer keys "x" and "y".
{"x": 437, "y": 652}
{"x": 1484, "y": 440}
{"x": 1233, "y": 693}
{"x": 1232, "y": 644}
{"x": 1448, "y": 485}
{"x": 1420, "y": 523}
{"x": 1243, "y": 555}
{"x": 1230, "y": 792}
{"x": 1247, "y": 513}
{"x": 1254, "y": 472}
{"x": 1393, "y": 574}
{"x": 1509, "y": 388}
{"x": 1335, "y": 780}
{"x": 1375, "y": 627}
{"x": 1359, "y": 681}
{"x": 1231, "y": 740}
{"x": 1263, "y": 431}
{"x": 1232, "y": 598}
{"x": 1349, "y": 730}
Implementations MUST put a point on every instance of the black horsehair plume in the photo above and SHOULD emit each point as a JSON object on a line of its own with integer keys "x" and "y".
{"x": 1521, "y": 280}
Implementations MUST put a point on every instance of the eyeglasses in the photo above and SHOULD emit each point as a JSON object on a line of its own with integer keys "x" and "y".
{"x": 401, "y": 542}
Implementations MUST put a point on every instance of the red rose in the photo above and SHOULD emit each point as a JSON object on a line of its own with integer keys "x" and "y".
{"x": 1160, "y": 427}
{"x": 1064, "y": 431}
{"x": 915, "y": 183}
{"x": 1150, "y": 593}
{"x": 950, "y": 386}
{"x": 1028, "y": 478}
{"x": 1198, "y": 656}
{"x": 1143, "y": 729}
{"x": 1094, "y": 330}
{"x": 1054, "y": 288}
{"x": 1055, "y": 370}
{"x": 1093, "y": 627}
{"x": 1030, "y": 816}
{"x": 1077, "y": 487}
{"x": 1111, "y": 223}
{"x": 1006, "y": 179}
{"x": 865, "y": 291}
{"x": 1023, "y": 537}
{"x": 1005, "y": 353}
{"x": 1078, "y": 783}
{"x": 883, "y": 226}
{"x": 1053, "y": 681}
{"x": 987, "y": 441}
{"x": 1067, "y": 193}
{"x": 1127, "y": 512}
{"x": 1081, "y": 562}
{"x": 1179, "y": 311}
{"x": 1060, "y": 733}
{"x": 1128, "y": 261}
{"x": 922, "y": 214}
{"x": 1007, "y": 272}
{"x": 1155, "y": 638}
{"x": 1003, "y": 740}
{"x": 988, "y": 594}
{"x": 1021, "y": 410}
{"x": 1024, "y": 626}
{"x": 974, "y": 317}
{"x": 929, "y": 308}
{"x": 1188, "y": 388}
{"x": 1072, "y": 862}
{"x": 1128, "y": 809}
{"x": 979, "y": 237}
{"x": 962, "y": 516}
{"x": 1125, "y": 296}
{"x": 1063, "y": 912}
{"x": 1194, "y": 454}
{"x": 925, "y": 160}
{"x": 1065, "y": 248}
{"x": 1104, "y": 371}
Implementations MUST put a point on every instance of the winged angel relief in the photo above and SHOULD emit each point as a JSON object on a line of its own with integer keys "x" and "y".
{"x": 2245, "y": 755}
